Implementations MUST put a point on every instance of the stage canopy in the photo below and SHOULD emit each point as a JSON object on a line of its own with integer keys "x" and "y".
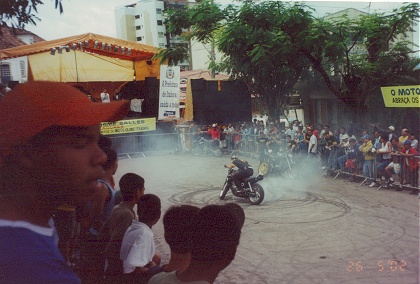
{"x": 87, "y": 58}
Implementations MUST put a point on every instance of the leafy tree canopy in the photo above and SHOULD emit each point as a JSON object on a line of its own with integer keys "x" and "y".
{"x": 18, "y": 13}
{"x": 271, "y": 44}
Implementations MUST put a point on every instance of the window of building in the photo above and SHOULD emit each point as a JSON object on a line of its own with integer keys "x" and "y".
{"x": 158, "y": 11}
{"x": 161, "y": 34}
{"x": 22, "y": 68}
{"x": 5, "y": 70}
{"x": 159, "y": 22}
{"x": 138, "y": 27}
{"x": 139, "y": 38}
{"x": 161, "y": 44}
{"x": 137, "y": 17}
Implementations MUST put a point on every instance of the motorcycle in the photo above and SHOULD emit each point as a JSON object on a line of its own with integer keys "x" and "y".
{"x": 280, "y": 162}
{"x": 203, "y": 146}
{"x": 250, "y": 189}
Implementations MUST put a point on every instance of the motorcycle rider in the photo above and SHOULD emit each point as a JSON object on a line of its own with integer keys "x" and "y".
{"x": 244, "y": 170}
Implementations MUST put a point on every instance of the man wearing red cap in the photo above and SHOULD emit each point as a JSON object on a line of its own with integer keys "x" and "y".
{"x": 49, "y": 156}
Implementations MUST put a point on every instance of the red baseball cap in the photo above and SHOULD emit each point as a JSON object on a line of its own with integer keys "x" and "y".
{"x": 32, "y": 107}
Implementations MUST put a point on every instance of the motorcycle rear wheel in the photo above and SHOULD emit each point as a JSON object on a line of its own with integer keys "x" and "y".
{"x": 256, "y": 194}
{"x": 264, "y": 168}
{"x": 224, "y": 191}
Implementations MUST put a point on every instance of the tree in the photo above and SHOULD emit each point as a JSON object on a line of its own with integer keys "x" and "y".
{"x": 270, "y": 44}
{"x": 359, "y": 74}
{"x": 18, "y": 13}
{"x": 255, "y": 48}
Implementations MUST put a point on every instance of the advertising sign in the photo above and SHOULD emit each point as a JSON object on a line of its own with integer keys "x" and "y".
{"x": 169, "y": 92}
{"x": 401, "y": 96}
{"x": 128, "y": 126}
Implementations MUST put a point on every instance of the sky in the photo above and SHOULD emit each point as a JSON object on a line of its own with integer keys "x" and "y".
{"x": 97, "y": 16}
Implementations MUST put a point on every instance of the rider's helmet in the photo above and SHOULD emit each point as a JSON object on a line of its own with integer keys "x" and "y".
{"x": 233, "y": 157}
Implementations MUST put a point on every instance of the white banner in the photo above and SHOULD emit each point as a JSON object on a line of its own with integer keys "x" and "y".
{"x": 169, "y": 92}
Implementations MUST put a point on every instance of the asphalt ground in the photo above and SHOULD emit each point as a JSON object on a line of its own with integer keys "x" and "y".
{"x": 311, "y": 229}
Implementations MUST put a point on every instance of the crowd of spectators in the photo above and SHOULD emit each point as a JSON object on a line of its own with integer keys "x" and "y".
{"x": 378, "y": 156}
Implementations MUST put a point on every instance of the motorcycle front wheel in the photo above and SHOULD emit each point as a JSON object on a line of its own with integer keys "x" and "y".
{"x": 264, "y": 168}
{"x": 256, "y": 196}
{"x": 224, "y": 191}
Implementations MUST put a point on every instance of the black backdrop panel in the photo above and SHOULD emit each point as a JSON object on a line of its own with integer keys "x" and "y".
{"x": 147, "y": 90}
{"x": 231, "y": 104}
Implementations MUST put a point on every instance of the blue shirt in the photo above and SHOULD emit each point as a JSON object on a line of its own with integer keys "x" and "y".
{"x": 29, "y": 255}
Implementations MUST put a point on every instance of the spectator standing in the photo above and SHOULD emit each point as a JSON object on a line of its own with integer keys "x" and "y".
{"x": 395, "y": 166}
{"x": 411, "y": 164}
{"x": 384, "y": 151}
{"x": 105, "y": 97}
{"x": 132, "y": 189}
{"x": 368, "y": 155}
{"x": 138, "y": 247}
{"x": 262, "y": 145}
{"x": 313, "y": 144}
{"x": 404, "y": 135}
{"x": 414, "y": 142}
{"x": 49, "y": 156}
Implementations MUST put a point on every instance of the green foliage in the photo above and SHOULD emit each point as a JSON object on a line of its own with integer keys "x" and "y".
{"x": 18, "y": 13}
{"x": 272, "y": 44}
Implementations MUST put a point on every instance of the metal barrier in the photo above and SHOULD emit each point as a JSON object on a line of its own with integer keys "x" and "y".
{"x": 142, "y": 144}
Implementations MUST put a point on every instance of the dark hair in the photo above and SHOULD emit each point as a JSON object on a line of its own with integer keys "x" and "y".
{"x": 148, "y": 208}
{"x": 129, "y": 184}
{"x": 112, "y": 157}
{"x": 384, "y": 137}
{"x": 216, "y": 234}
{"x": 104, "y": 142}
{"x": 289, "y": 136}
{"x": 178, "y": 224}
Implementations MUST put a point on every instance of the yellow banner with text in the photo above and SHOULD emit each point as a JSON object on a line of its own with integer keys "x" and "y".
{"x": 128, "y": 126}
{"x": 401, "y": 96}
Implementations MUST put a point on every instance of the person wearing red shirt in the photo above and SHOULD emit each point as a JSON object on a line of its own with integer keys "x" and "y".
{"x": 214, "y": 132}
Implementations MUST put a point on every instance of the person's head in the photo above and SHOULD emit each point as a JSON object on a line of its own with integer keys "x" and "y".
{"x": 288, "y": 138}
{"x": 326, "y": 127}
{"x": 342, "y": 130}
{"x": 104, "y": 142}
{"x": 131, "y": 187}
{"x": 395, "y": 142}
{"x": 216, "y": 235}
{"x": 377, "y": 133}
{"x": 407, "y": 144}
{"x": 149, "y": 209}
{"x": 111, "y": 164}
{"x": 233, "y": 157}
{"x": 411, "y": 135}
{"x": 3, "y": 89}
{"x": 178, "y": 226}
{"x": 384, "y": 138}
{"x": 391, "y": 129}
{"x": 326, "y": 134}
{"x": 352, "y": 141}
{"x": 404, "y": 132}
{"x": 345, "y": 138}
{"x": 320, "y": 127}
{"x": 336, "y": 133}
{"x": 365, "y": 138}
{"x": 49, "y": 143}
